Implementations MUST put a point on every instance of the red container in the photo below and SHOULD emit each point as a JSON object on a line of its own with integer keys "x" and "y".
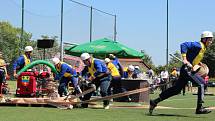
{"x": 26, "y": 84}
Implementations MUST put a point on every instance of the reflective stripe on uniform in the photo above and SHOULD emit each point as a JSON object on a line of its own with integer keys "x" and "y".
{"x": 65, "y": 74}
{"x": 91, "y": 68}
{"x": 27, "y": 60}
{"x": 199, "y": 57}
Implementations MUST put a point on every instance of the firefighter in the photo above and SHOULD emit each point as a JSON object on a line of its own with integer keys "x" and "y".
{"x": 116, "y": 83}
{"x": 65, "y": 74}
{"x": 23, "y": 60}
{"x": 98, "y": 74}
{"x": 116, "y": 62}
{"x": 192, "y": 54}
{"x": 3, "y": 72}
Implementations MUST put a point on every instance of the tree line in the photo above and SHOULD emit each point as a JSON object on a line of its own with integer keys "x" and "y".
{"x": 11, "y": 44}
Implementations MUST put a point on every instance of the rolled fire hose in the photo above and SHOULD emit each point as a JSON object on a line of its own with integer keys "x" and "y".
{"x": 25, "y": 68}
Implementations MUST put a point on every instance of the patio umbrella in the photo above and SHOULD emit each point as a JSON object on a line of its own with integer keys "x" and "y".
{"x": 102, "y": 48}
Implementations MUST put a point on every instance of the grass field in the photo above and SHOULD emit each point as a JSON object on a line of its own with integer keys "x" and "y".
{"x": 184, "y": 111}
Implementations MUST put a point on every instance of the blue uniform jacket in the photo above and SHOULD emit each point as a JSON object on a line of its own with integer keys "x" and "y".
{"x": 99, "y": 66}
{"x": 191, "y": 50}
{"x": 65, "y": 68}
{"x": 19, "y": 63}
{"x": 118, "y": 65}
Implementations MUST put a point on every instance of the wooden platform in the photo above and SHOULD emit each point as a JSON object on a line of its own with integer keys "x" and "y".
{"x": 27, "y": 104}
{"x": 38, "y": 102}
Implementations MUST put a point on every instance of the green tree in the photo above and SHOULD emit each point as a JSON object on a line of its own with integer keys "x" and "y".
{"x": 209, "y": 59}
{"x": 147, "y": 59}
{"x": 158, "y": 69}
{"x": 10, "y": 41}
{"x": 174, "y": 62}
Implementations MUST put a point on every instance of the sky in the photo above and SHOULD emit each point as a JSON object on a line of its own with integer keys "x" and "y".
{"x": 141, "y": 24}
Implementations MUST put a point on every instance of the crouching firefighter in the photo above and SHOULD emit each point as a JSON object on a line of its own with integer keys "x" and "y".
{"x": 99, "y": 75}
{"x": 65, "y": 74}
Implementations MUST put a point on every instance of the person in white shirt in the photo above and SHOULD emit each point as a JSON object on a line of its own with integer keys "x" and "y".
{"x": 164, "y": 79}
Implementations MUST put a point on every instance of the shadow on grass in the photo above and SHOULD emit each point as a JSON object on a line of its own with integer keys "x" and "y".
{"x": 173, "y": 115}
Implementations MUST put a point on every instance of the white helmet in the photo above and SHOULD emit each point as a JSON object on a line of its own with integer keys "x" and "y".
{"x": 85, "y": 56}
{"x": 131, "y": 68}
{"x": 206, "y": 34}
{"x": 137, "y": 67}
{"x": 55, "y": 60}
{"x": 28, "y": 48}
{"x": 107, "y": 60}
{"x": 111, "y": 56}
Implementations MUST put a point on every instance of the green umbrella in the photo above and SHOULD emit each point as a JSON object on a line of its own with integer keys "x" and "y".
{"x": 102, "y": 47}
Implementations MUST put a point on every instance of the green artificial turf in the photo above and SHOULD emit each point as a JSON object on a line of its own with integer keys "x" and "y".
{"x": 185, "y": 111}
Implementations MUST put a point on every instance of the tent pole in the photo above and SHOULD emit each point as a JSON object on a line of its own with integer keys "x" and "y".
{"x": 115, "y": 28}
{"x": 91, "y": 22}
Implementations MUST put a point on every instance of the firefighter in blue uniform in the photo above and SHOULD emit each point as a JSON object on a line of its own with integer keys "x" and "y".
{"x": 116, "y": 62}
{"x": 192, "y": 54}
{"x": 23, "y": 60}
{"x": 98, "y": 74}
{"x": 65, "y": 74}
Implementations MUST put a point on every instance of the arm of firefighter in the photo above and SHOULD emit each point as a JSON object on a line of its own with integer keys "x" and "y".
{"x": 98, "y": 67}
{"x": 184, "y": 47}
{"x": 75, "y": 81}
{"x": 17, "y": 64}
{"x": 20, "y": 61}
{"x": 84, "y": 72}
{"x": 74, "y": 78}
{"x": 5, "y": 70}
{"x": 120, "y": 68}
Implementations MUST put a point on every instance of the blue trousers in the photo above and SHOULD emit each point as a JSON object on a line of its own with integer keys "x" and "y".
{"x": 62, "y": 88}
{"x": 117, "y": 87}
{"x": 104, "y": 84}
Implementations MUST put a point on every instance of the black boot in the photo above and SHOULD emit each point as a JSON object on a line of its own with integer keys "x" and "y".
{"x": 202, "y": 110}
{"x": 152, "y": 106}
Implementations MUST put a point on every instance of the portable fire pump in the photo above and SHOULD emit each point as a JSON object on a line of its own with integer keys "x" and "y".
{"x": 31, "y": 83}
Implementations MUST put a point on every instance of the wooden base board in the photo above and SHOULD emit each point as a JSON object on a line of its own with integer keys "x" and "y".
{"x": 27, "y": 104}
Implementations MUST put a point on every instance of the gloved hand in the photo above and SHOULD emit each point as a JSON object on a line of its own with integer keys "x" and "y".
{"x": 91, "y": 85}
{"x": 15, "y": 76}
{"x": 187, "y": 63}
{"x": 91, "y": 78}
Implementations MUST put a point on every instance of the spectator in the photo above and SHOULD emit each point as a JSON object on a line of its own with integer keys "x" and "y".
{"x": 150, "y": 73}
{"x": 129, "y": 73}
{"x": 164, "y": 79}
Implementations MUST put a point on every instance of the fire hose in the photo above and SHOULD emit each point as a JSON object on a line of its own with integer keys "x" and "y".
{"x": 25, "y": 68}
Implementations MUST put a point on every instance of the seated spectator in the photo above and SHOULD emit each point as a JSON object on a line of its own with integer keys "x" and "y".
{"x": 150, "y": 73}
{"x": 129, "y": 73}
